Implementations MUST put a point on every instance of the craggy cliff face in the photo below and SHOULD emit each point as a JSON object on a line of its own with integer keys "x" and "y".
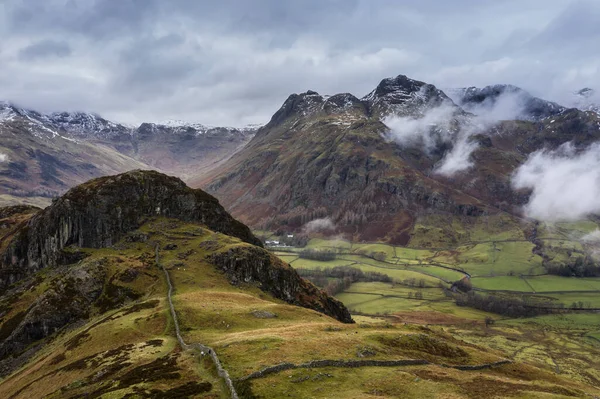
{"x": 98, "y": 213}
{"x": 251, "y": 264}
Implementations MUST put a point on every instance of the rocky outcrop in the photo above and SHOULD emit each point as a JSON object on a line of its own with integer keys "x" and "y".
{"x": 100, "y": 212}
{"x": 255, "y": 265}
{"x": 67, "y": 300}
{"x": 405, "y": 96}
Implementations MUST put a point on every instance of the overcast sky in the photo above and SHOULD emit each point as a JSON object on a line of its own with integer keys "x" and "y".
{"x": 233, "y": 62}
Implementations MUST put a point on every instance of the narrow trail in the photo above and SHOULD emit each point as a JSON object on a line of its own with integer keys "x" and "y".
{"x": 200, "y": 347}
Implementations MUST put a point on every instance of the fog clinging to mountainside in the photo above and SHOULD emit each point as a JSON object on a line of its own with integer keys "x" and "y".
{"x": 565, "y": 184}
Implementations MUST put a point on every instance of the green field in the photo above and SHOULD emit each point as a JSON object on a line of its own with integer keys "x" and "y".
{"x": 501, "y": 283}
{"x": 388, "y": 250}
{"x": 557, "y": 283}
{"x": 497, "y": 259}
{"x": 320, "y": 243}
{"x": 492, "y": 250}
{"x": 313, "y": 264}
{"x": 437, "y": 271}
{"x": 593, "y": 299}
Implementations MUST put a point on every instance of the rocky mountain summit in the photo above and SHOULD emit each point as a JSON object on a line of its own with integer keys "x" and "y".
{"x": 403, "y": 96}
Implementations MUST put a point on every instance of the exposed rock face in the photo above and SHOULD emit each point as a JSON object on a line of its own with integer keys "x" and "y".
{"x": 256, "y": 265}
{"x": 68, "y": 300}
{"x": 98, "y": 213}
{"x": 404, "y": 96}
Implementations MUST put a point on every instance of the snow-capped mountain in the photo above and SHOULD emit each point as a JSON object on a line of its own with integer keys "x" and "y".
{"x": 403, "y": 96}
{"x": 45, "y": 154}
{"x": 504, "y": 102}
{"x": 88, "y": 126}
{"x": 73, "y": 125}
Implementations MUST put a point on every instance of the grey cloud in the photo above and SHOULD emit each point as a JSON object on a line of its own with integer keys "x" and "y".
{"x": 99, "y": 19}
{"x": 578, "y": 25}
{"x": 45, "y": 48}
{"x": 565, "y": 184}
{"x": 235, "y": 61}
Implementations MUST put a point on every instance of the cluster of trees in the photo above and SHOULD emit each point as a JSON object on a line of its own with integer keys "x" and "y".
{"x": 312, "y": 254}
{"x": 413, "y": 282}
{"x": 510, "y": 306}
{"x": 416, "y": 295}
{"x": 338, "y": 279}
{"x": 377, "y": 255}
{"x": 462, "y": 285}
{"x": 582, "y": 266}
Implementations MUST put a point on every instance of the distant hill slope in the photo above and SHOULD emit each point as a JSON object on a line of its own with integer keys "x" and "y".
{"x": 337, "y": 157}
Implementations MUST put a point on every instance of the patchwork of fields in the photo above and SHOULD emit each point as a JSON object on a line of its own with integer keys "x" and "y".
{"x": 498, "y": 260}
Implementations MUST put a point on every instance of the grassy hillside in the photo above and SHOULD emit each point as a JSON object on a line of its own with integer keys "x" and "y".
{"x": 129, "y": 349}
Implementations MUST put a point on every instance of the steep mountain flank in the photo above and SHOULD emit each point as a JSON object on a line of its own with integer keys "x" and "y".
{"x": 328, "y": 156}
{"x": 337, "y": 157}
{"x": 277, "y": 278}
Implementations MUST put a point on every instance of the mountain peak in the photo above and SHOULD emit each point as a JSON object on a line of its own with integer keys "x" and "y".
{"x": 405, "y": 96}
{"x": 586, "y": 99}
{"x": 301, "y": 104}
{"x": 400, "y": 86}
{"x": 98, "y": 213}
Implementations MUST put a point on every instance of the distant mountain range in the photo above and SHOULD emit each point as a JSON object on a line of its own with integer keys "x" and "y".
{"x": 318, "y": 156}
{"x": 42, "y": 155}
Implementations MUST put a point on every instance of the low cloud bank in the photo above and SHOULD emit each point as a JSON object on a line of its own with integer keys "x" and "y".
{"x": 447, "y": 125}
{"x": 318, "y": 225}
{"x": 426, "y": 131}
{"x": 458, "y": 159}
{"x": 565, "y": 183}
{"x": 509, "y": 105}
{"x": 591, "y": 238}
